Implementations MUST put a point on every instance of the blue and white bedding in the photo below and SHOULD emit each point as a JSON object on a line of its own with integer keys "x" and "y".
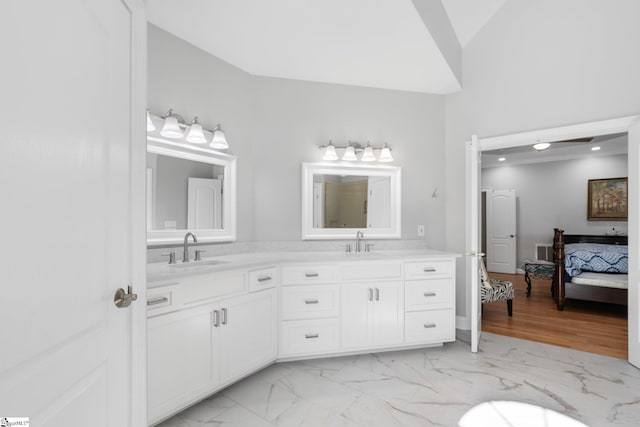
{"x": 595, "y": 257}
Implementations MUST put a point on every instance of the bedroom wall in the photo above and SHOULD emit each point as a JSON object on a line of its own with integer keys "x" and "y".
{"x": 554, "y": 194}
{"x": 536, "y": 65}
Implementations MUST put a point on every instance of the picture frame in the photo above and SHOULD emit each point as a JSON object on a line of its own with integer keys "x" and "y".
{"x": 607, "y": 199}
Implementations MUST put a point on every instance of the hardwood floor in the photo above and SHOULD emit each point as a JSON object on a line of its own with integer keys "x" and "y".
{"x": 593, "y": 327}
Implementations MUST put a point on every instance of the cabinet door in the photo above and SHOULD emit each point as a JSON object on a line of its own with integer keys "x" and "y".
{"x": 248, "y": 333}
{"x": 388, "y": 313}
{"x": 179, "y": 355}
{"x": 355, "y": 308}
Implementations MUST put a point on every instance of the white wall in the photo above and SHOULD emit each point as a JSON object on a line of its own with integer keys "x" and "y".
{"x": 554, "y": 195}
{"x": 273, "y": 125}
{"x": 535, "y": 65}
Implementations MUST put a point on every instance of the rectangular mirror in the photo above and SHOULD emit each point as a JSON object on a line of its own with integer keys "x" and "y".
{"x": 339, "y": 200}
{"x": 189, "y": 188}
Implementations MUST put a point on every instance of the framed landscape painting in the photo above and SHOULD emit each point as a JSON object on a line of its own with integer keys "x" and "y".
{"x": 607, "y": 199}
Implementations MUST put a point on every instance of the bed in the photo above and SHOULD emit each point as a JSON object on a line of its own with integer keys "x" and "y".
{"x": 591, "y": 268}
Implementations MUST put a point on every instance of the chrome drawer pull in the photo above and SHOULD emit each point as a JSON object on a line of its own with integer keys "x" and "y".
{"x": 311, "y": 274}
{"x": 224, "y": 316}
{"x": 157, "y": 301}
{"x": 216, "y": 318}
{"x": 310, "y": 336}
{"x": 429, "y": 294}
{"x": 264, "y": 278}
{"x": 311, "y": 301}
{"x": 429, "y": 325}
{"x": 429, "y": 270}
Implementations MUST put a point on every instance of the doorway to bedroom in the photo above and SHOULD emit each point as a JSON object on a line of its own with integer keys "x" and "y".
{"x": 601, "y": 329}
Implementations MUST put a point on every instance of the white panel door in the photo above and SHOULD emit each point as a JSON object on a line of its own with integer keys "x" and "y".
{"x": 501, "y": 231}
{"x": 634, "y": 244}
{"x": 71, "y": 174}
{"x": 378, "y": 212}
{"x": 388, "y": 313}
{"x": 473, "y": 243}
{"x": 318, "y": 205}
{"x": 355, "y": 309}
{"x": 204, "y": 204}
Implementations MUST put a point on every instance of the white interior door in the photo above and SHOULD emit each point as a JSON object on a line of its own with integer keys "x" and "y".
{"x": 634, "y": 244}
{"x": 473, "y": 239}
{"x": 204, "y": 204}
{"x": 71, "y": 171}
{"x": 318, "y": 205}
{"x": 501, "y": 231}
{"x": 378, "y": 212}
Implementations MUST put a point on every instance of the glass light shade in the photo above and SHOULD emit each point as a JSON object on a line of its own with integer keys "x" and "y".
{"x": 196, "y": 135}
{"x": 385, "y": 155}
{"x": 171, "y": 129}
{"x": 330, "y": 153}
{"x": 219, "y": 141}
{"x": 541, "y": 146}
{"x": 368, "y": 156}
{"x": 150, "y": 126}
{"x": 349, "y": 154}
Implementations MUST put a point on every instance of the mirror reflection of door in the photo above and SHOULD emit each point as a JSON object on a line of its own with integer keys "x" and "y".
{"x": 204, "y": 204}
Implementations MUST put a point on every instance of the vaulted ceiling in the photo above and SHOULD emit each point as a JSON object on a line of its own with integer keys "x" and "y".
{"x": 412, "y": 45}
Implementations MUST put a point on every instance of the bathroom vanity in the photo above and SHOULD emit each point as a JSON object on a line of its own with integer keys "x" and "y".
{"x": 213, "y": 322}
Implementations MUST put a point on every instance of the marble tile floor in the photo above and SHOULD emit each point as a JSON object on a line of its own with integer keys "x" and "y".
{"x": 426, "y": 387}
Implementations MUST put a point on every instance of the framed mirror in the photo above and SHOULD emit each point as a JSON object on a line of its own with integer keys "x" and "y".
{"x": 189, "y": 188}
{"x": 338, "y": 200}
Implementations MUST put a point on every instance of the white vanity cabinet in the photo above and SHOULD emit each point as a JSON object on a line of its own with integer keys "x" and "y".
{"x": 197, "y": 350}
{"x": 430, "y": 301}
{"x": 372, "y": 310}
{"x": 310, "y": 306}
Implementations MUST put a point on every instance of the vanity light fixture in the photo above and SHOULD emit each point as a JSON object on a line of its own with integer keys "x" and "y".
{"x": 367, "y": 155}
{"x": 330, "y": 152}
{"x": 173, "y": 126}
{"x": 219, "y": 141}
{"x": 352, "y": 148}
{"x": 541, "y": 146}
{"x": 150, "y": 126}
{"x": 196, "y": 135}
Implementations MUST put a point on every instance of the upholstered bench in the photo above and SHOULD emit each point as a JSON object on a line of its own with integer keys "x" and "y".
{"x": 539, "y": 269}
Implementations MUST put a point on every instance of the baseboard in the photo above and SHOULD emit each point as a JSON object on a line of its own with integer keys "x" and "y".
{"x": 461, "y": 323}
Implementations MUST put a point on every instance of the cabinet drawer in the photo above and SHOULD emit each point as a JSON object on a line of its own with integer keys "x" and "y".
{"x": 428, "y": 294}
{"x": 309, "y": 274}
{"x": 309, "y": 336}
{"x": 309, "y": 302}
{"x": 378, "y": 271}
{"x": 162, "y": 299}
{"x": 262, "y": 279}
{"x": 430, "y": 326}
{"x": 436, "y": 268}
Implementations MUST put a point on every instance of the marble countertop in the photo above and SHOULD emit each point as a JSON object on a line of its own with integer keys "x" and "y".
{"x": 160, "y": 272}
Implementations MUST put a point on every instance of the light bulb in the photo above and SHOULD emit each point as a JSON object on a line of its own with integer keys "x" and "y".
{"x": 541, "y": 146}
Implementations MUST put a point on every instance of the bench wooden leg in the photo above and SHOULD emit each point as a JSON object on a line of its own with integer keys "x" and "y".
{"x": 510, "y": 307}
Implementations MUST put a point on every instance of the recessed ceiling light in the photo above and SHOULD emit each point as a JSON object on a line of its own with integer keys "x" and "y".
{"x": 541, "y": 146}
{"x": 502, "y": 159}
{"x": 596, "y": 148}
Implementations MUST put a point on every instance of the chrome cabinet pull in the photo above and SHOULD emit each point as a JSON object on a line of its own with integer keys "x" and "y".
{"x": 157, "y": 301}
{"x": 429, "y": 325}
{"x": 311, "y": 274}
{"x": 264, "y": 278}
{"x": 429, "y": 270}
{"x": 311, "y": 301}
{"x": 377, "y": 294}
{"x": 216, "y": 318}
{"x": 429, "y": 294}
{"x": 224, "y": 316}
{"x": 370, "y": 294}
{"x": 311, "y": 336}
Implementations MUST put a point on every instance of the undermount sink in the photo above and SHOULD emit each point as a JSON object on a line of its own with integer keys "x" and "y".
{"x": 193, "y": 264}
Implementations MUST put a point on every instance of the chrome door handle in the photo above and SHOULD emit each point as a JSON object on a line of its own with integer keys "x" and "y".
{"x": 224, "y": 316}
{"x": 377, "y": 294}
{"x": 124, "y": 299}
{"x": 370, "y": 294}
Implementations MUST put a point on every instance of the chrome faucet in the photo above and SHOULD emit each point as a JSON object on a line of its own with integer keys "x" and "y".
{"x": 359, "y": 236}
{"x": 185, "y": 250}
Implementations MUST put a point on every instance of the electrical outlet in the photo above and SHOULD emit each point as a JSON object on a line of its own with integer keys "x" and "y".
{"x": 421, "y": 231}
